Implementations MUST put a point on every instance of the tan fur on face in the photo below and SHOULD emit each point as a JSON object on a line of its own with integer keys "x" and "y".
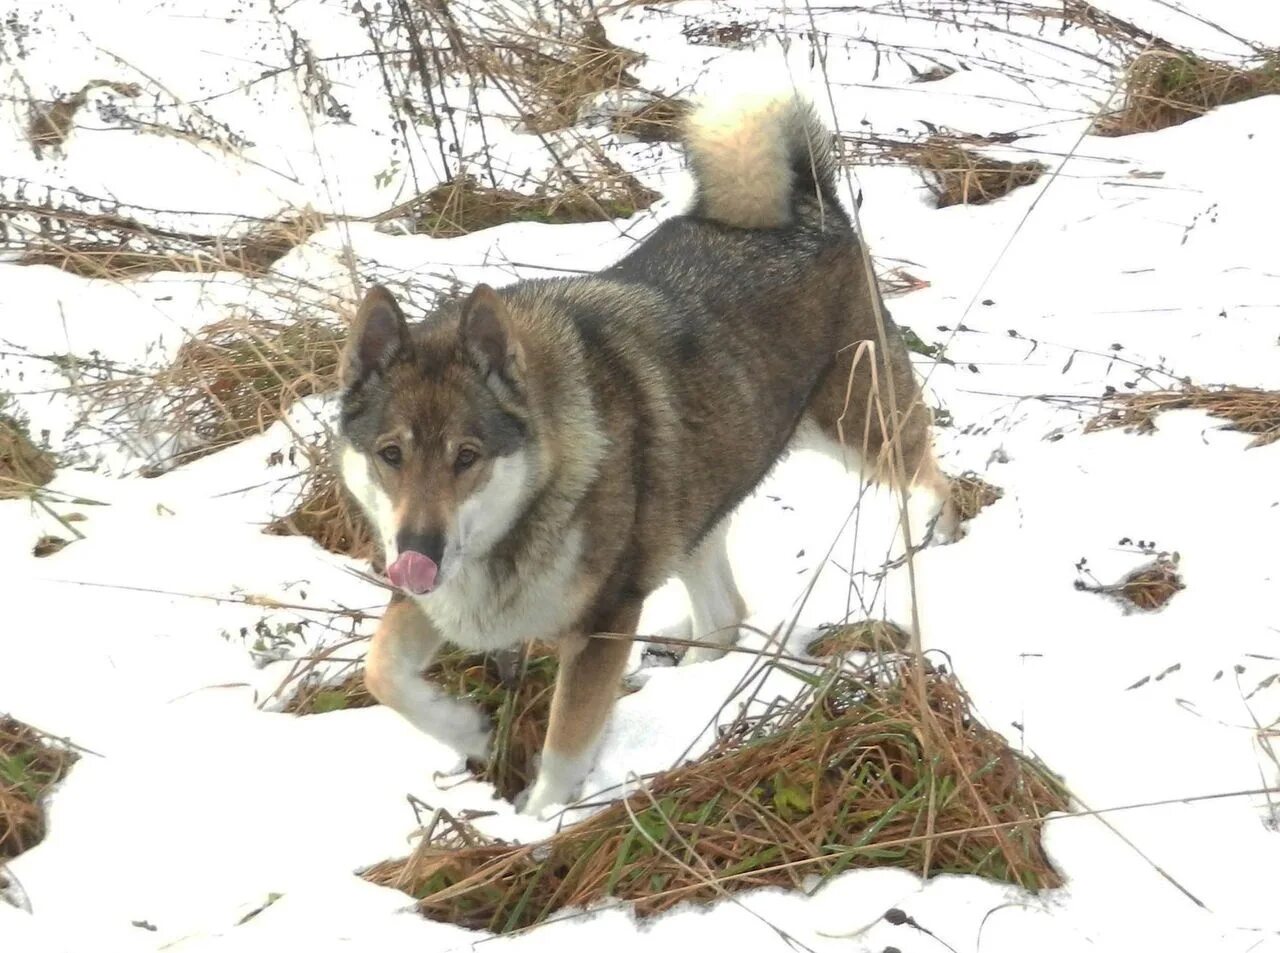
{"x": 425, "y": 491}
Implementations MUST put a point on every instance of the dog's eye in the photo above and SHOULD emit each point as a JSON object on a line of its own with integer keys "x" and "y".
{"x": 391, "y": 455}
{"x": 466, "y": 457}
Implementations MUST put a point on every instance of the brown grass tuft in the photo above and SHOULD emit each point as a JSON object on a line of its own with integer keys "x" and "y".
{"x": 326, "y": 513}
{"x": 1247, "y": 409}
{"x": 551, "y": 70}
{"x": 464, "y": 205}
{"x": 29, "y": 768}
{"x": 48, "y": 545}
{"x": 866, "y": 635}
{"x": 957, "y": 175}
{"x": 1152, "y": 586}
{"x": 736, "y": 34}
{"x": 656, "y": 121}
{"x": 234, "y": 378}
{"x": 842, "y": 781}
{"x": 51, "y": 122}
{"x": 24, "y": 467}
{"x": 116, "y": 247}
{"x": 1148, "y": 588}
{"x": 1167, "y": 87}
{"x": 972, "y": 494}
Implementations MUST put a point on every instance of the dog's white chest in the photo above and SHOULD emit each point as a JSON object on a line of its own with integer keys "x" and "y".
{"x": 477, "y": 613}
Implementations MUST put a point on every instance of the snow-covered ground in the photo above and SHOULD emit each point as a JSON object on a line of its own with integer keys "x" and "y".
{"x": 1137, "y": 258}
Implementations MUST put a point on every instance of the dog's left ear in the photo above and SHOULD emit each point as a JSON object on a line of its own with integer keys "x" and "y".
{"x": 489, "y": 338}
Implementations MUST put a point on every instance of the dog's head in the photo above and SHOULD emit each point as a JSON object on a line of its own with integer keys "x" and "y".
{"x": 437, "y": 442}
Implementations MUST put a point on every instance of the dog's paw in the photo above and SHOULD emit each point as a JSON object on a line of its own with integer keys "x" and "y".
{"x": 466, "y": 730}
{"x": 477, "y": 742}
{"x": 535, "y": 801}
{"x": 559, "y": 777}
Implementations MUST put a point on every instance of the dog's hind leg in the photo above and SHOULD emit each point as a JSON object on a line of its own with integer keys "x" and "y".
{"x": 404, "y": 645}
{"x": 852, "y": 420}
{"x": 716, "y": 606}
{"x": 587, "y": 684}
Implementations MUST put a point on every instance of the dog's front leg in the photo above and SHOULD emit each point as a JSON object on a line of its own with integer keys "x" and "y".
{"x": 403, "y": 647}
{"x": 586, "y": 687}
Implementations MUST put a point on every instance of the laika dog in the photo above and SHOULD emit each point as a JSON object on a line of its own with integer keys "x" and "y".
{"x": 540, "y": 458}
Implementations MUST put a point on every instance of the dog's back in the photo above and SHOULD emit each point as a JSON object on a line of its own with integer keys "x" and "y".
{"x": 707, "y": 343}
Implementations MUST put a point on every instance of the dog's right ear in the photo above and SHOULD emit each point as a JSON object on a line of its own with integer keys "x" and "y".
{"x": 378, "y": 334}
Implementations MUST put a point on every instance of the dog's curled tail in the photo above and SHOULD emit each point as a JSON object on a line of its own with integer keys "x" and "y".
{"x": 753, "y": 155}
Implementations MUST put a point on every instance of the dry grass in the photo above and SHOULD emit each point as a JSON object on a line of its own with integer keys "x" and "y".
{"x": 656, "y": 121}
{"x": 1166, "y": 87}
{"x": 51, "y": 122}
{"x": 326, "y": 513}
{"x": 1148, "y": 588}
{"x": 24, "y": 467}
{"x": 842, "y": 780}
{"x": 29, "y": 768}
{"x": 317, "y": 698}
{"x": 550, "y": 66}
{"x": 957, "y": 175}
{"x": 464, "y": 205}
{"x": 971, "y": 494}
{"x": 866, "y": 635}
{"x": 234, "y": 378}
{"x": 1247, "y": 409}
{"x": 736, "y": 34}
{"x": 113, "y": 246}
{"x": 1152, "y": 586}
{"x": 48, "y": 545}
{"x": 948, "y": 162}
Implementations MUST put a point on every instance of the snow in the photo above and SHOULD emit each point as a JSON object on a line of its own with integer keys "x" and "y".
{"x": 1141, "y": 259}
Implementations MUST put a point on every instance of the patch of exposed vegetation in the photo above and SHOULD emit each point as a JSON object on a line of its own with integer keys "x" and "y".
{"x": 658, "y": 120}
{"x": 326, "y": 513}
{"x": 465, "y": 205}
{"x": 957, "y": 175}
{"x": 30, "y": 765}
{"x": 866, "y": 635}
{"x": 1248, "y": 410}
{"x": 51, "y": 122}
{"x": 736, "y": 34}
{"x": 854, "y": 775}
{"x": 1166, "y": 87}
{"x": 24, "y": 467}
{"x": 234, "y": 378}
{"x": 972, "y": 494}
{"x": 1147, "y": 589}
{"x": 112, "y": 245}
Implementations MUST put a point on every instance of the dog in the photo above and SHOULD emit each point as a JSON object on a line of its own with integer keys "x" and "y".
{"x": 539, "y": 458}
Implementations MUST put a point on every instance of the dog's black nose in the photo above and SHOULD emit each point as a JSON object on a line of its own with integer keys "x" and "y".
{"x": 430, "y": 545}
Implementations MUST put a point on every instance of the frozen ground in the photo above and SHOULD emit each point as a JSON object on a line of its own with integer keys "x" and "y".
{"x": 1143, "y": 256}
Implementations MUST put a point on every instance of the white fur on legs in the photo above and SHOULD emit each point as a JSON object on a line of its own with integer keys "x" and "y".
{"x": 393, "y": 675}
{"x": 559, "y": 777}
{"x": 715, "y": 603}
{"x": 456, "y": 723}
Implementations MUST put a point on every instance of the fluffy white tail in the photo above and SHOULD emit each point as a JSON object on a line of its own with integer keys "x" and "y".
{"x": 752, "y": 154}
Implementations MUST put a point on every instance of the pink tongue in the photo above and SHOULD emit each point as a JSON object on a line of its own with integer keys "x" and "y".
{"x": 413, "y": 572}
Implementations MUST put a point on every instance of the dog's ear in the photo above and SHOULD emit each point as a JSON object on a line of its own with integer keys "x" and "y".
{"x": 489, "y": 337}
{"x": 378, "y": 334}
